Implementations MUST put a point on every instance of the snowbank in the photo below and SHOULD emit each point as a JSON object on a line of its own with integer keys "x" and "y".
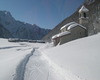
{"x": 81, "y": 57}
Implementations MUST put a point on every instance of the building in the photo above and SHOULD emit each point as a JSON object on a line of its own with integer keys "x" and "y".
{"x": 73, "y": 30}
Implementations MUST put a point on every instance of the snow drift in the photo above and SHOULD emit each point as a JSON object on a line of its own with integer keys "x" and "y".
{"x": 81, "y": 57}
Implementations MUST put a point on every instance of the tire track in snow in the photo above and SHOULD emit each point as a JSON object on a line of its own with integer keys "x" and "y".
{"x": 39, "y": 68}
{"x": 9, "y": 47}
{"x": 36, "y": 68}
{"x": 21, "y": 67}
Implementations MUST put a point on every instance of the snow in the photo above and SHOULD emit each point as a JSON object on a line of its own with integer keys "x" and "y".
{"x": 67, "y": 25}
{"x": 75, "y": 60}
{"x": 71, "y": 25}
{"x": 75, "y": 25}
{"x": 11, "y": 55}
{"x": 61, "y": 34}
{"x": 6, "y": 12}
{"x": 81, "y": 57}
{"x": 55, "y": 36}
{"x": 83, "y": 9}
{"x": 38, "y": 68}
{"x": 21, "y": 67}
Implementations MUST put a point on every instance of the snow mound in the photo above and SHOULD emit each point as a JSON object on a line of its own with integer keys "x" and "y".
{"x": 81, "y": 57}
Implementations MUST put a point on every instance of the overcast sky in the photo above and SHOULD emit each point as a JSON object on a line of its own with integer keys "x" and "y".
{"x": 44, "y": 13}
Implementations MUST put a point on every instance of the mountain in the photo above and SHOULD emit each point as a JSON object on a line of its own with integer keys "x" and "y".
{"x": 94, "y": 15}
{"x": 4, "y": 33}
{"x": 20, "y": 29}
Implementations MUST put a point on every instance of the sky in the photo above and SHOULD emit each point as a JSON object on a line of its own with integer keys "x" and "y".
{"x": 44, "y": 13}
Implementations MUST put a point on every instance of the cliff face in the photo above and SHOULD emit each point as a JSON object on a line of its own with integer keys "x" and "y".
{"x": 94, "y": 23}
{"x": 94, "y": 15}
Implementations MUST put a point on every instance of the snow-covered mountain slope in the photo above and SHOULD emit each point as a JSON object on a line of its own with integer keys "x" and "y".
{"x": 20, "y": 29}
{"x": 81, "y": 57}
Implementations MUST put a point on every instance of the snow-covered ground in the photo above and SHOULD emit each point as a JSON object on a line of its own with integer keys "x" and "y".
{"x": 75, "y": 60}
{"x": 11, "y": 58}
{"x": 81, "y": 57}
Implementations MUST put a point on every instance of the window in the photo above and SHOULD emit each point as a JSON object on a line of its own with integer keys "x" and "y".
{"x": 84, "y": 15}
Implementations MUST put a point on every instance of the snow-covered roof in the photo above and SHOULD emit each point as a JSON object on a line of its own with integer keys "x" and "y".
{"x": 67, "y": 25}
{"x": 83, "y": 9}
{"x": 55, "y": 36}
{"x": 61, "y": 34}
{"x": 75, "y": 25}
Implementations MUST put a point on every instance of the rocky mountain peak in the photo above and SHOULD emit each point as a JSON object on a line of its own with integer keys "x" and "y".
{"x": 20, "y": 29}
